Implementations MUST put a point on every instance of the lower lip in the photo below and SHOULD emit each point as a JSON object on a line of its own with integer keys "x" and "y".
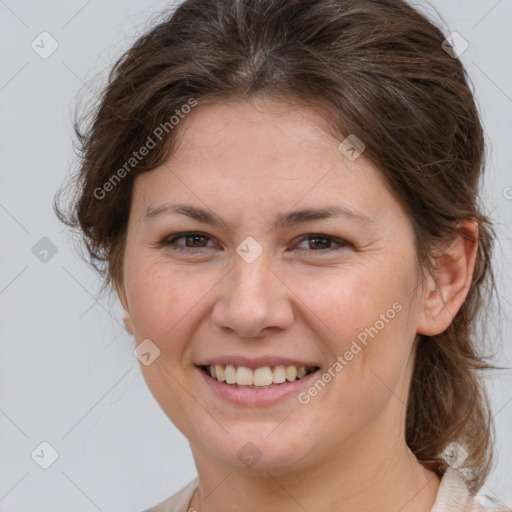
{"x": 254, "y": 396}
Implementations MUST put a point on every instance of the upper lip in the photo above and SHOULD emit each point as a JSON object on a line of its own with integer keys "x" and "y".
{"x": 256, "y": 362}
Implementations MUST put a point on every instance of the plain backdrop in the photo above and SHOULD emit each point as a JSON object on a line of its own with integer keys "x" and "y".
{"x": 68, "y": 376}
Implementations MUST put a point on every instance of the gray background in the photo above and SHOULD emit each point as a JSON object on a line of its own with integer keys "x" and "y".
{"x": 68, "y": 375}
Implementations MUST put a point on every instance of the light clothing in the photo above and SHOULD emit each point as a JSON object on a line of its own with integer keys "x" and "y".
{"x": 177, "y": 502}
{"x": 452, "y": 496}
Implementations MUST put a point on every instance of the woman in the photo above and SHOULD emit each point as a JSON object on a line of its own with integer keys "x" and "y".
{"x": 284, "y": 195}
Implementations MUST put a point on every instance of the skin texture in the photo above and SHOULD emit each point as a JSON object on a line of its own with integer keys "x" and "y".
{"x": 248, "y": 162}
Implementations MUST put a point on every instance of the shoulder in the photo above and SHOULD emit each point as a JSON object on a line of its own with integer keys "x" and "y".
{"x": 178, "y": 502}
{"x": 453, "y": 496}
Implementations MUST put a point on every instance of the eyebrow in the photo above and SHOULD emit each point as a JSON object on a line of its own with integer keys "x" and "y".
{"x": 283, "y": 220}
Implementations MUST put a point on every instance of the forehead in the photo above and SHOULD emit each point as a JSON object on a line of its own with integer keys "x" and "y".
{"x": 264, "y": 153}
{"x": 276, "y": 125}
{"x": 262, "y": 139}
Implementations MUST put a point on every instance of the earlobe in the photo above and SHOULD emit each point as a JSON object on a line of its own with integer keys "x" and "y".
{"x": 126, "y": 316}
{"x": 127, "y": 322}
{"x": 447, "y": 290}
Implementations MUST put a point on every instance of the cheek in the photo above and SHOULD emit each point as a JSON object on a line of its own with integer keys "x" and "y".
{"x": 164, "y": 300}
{"x": 363, "y": 314}
{"x": 164, "y": 303}
{"x": 350, "y": 299}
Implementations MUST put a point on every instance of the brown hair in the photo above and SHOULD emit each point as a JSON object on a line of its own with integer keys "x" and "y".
{"x": 379, "y": 69}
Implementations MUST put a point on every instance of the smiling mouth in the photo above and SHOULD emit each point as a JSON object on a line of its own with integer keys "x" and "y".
{"x": 260, "y": 378}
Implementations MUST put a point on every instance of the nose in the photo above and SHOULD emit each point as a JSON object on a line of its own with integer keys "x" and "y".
{"x": 254, "y": 298}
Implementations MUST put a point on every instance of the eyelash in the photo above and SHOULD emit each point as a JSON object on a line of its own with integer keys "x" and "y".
{"x": 169, "y": 241}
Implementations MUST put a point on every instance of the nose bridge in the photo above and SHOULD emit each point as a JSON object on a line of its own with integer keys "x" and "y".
{"x": 254, "y": 298}
{"x": 252, "y": 273}
{"x": 252, "y": 285}
{"x": 253, "y": 278}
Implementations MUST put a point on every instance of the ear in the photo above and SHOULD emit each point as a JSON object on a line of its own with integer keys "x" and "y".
{"x": 126, "y": 315}
{"x": 446, "y": 291}
{"x": 127, "y": 322}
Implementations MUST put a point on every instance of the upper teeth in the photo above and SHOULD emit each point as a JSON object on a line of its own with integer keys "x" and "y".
{"x": 265, "y": 376}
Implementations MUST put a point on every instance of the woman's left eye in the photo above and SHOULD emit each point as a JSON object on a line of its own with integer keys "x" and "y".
{"x": 327, "y": 239}
{"x": 317, "y": 242}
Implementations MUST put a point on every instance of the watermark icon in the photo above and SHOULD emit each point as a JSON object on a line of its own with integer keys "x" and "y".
{"x": 249, "y": 250}
{"x": 304, "y": 397}
{"x": 44, "y": 250}
{"x": 146, "y": 352}
{"x": 249, "y": 455}
{"x": 455, "y": 455}
{"x": 144, "y": 150}
{"x": 44, "y": 45}
{"x": 44, "y": 455}
{"x": 351, "y": 147}
{"x": 455, "y": 45}
{"x": 507, "y": 192}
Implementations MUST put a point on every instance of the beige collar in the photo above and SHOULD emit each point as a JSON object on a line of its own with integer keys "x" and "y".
{"x": 453, "y": 494}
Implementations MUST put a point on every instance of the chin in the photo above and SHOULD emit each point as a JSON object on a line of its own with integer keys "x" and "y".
{"x": 255, "y": 448}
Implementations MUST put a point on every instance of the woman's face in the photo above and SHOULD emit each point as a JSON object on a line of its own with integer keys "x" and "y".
{"x": 263, "y": 287}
